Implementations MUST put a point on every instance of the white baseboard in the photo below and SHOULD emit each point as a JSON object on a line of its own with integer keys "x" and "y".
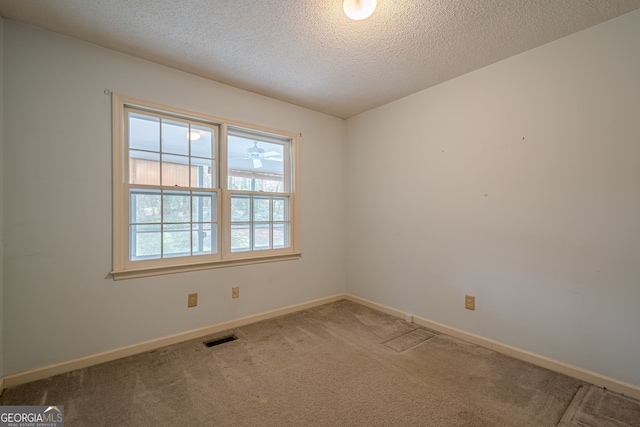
{"x": 599, "y": 380}
{"x": 612, "y": 384}
{"x": 94, "y": 359}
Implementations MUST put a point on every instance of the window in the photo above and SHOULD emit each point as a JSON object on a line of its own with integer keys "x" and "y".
{"x": 192, "y": 191}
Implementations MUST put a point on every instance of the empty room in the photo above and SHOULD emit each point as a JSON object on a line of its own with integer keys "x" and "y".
{"x": 320, "y": 212}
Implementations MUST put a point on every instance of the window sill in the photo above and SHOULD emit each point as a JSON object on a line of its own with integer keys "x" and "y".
{"x": 156, "y": 271}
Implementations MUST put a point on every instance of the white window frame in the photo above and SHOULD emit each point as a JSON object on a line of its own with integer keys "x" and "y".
{"x": 124, "y": 268}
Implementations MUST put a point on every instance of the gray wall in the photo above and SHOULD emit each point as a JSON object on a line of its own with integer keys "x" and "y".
{"x": 516, "y": 183}
{"x": 60, "y": 303}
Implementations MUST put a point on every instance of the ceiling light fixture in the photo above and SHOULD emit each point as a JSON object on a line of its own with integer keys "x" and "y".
{"x": 359, "y": 9}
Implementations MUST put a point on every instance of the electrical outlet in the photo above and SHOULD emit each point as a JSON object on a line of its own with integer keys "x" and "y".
{"x": 192, "y": 301}
{"x": 469, "y": 302}
{"x": 235, "y": 292}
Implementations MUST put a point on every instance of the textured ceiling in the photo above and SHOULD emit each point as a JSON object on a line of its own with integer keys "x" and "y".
{"x": 307, "y": 52}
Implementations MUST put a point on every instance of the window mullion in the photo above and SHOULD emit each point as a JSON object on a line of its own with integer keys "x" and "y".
{"x": 252, "y": 225}
{"x": 190, "y": 181}
{"x": 271, "y": 225}
{"x": 161, "y": 223}
{"x": 225, "y": 202}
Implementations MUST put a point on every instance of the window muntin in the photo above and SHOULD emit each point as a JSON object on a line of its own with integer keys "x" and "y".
{"x": 178, "y": 204}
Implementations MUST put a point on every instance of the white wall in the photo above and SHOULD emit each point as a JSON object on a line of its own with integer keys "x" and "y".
{"x": 552, "y": 136}
{"x": 59, "y": 301}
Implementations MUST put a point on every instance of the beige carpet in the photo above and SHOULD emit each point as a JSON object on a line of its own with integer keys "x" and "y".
{"x": 340, "y": 364}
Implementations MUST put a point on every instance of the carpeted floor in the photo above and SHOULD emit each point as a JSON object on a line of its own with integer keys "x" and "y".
{"x": 340, "y": 364}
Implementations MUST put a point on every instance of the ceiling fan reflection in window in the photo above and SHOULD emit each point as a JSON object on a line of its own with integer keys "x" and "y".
{"x": 257, "y": 154}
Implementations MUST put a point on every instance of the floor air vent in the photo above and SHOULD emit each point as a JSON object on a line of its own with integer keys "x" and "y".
{"x": 219, "y": 341}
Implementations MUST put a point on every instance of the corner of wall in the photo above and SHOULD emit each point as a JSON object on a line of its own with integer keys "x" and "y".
{"x": 1, "y": 212}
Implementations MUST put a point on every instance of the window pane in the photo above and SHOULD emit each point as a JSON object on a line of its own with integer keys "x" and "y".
{"x": 175, "y": 137}
{"x": 176, "y": 240}
{"x": 240, "y": 208}
{"x": 204, "y": 207}
{"x": 261, "y": 208}
{"x": 262, "y": 236}
{"x": 175, "y": 170}
{"x": 144, "y": 168}
{"x": 281, "y": 235}
{"x": 145, "y": 206}
{"x": 202, "y": 173}
{"x": 204, "y": 239}
{"x": 239, "y": 183}
{"x": 239, "y": 180}
{"x": 202, "y": 142}
{"x": 259, "y": 163}
{"x": 176, "y": 207}
{"x": 240, "y": 237}
{"x": 280, "y": 208}
{"x": 144, "y": 132}
{"x": 145, "y": 242}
